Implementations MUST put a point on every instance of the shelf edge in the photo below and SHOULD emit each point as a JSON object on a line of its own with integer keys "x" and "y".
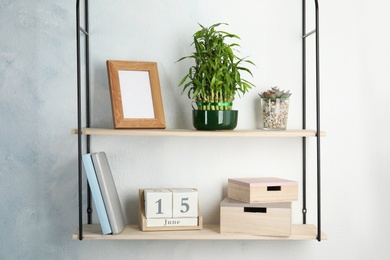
{"x": 209, "y": 232}
{"x": 196, "y": 133}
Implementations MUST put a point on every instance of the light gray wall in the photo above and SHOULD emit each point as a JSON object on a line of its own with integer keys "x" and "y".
{"x": 38, "y": 168}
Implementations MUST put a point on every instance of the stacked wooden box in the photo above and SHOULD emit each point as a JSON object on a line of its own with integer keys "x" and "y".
{"x": 258, "y": 206}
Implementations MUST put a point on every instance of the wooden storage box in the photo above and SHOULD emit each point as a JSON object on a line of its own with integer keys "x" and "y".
{"x": 142, "y": 221}
{"x": 262, "y": 190}
{"x": 272, "y": 219}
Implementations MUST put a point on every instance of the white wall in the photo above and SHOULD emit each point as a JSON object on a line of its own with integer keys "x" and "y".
{"x": 38, "y": 168}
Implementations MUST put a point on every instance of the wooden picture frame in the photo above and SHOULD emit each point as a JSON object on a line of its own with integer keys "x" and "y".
{"x": 135, "y": 94}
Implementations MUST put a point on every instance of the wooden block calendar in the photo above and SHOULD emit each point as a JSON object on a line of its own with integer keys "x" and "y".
{"x": 169, "y": 209}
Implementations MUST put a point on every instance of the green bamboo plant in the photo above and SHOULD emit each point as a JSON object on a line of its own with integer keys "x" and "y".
{"x": 215, "y": 78}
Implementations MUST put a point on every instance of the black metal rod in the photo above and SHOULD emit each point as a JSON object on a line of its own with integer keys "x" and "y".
{"x": 87, "y": 108}
{"x": 304, "y": 209}
{"x": 87, "y": 75}
{"x": 79, "y": 145}
{"x": 318, "y": 115}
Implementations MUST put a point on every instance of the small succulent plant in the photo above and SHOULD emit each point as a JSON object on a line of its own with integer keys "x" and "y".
{"x": 275, "y": 93}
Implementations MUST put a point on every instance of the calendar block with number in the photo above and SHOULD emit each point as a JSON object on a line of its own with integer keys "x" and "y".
{"x": 156, "y": 212}
{"x": 158, "y": 203}
{"x": 184, "y": 203}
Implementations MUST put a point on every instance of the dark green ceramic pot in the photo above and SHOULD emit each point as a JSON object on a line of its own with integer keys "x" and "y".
{"x": 214, "y": 119}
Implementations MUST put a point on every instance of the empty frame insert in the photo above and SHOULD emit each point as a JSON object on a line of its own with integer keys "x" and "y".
{"x": 135, "y": 94}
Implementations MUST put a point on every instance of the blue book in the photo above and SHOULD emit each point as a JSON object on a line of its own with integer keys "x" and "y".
{"x": 96, "y": 194}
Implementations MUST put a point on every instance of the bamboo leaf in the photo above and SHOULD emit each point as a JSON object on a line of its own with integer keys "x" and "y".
{"x": 216, "y": 73}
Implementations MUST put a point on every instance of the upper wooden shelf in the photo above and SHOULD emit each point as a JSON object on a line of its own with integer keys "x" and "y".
{"x": 192, "y": 132}
{"x": 209, "y": 232}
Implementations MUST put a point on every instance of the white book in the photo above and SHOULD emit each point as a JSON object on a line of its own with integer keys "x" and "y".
{"x": 172, "y": 222}
{"x": 110, "y": 195}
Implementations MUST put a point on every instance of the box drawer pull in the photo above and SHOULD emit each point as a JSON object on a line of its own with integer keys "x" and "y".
{"x": 255, "y": 210}
{"x": 274, "y": 188}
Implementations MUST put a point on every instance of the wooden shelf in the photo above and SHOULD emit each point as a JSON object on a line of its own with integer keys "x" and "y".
{"x": 194, "y": 133}
{"x": 209, "y": 232}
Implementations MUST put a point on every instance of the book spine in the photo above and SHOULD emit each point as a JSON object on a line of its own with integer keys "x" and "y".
{"x": 108, "y": 189}
{"x": 96, "y": 194}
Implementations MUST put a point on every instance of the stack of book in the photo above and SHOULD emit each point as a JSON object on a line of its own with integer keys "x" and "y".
{"x": 104, "y": 193}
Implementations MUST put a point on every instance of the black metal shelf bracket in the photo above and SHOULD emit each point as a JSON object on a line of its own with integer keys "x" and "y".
{"x": 80, "y": 30}
{"x": 304, "y": 209}
{"x": 318, "y": 117}
{"x": 318, "y": 114}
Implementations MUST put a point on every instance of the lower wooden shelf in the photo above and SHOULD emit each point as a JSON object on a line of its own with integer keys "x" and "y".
{"x": 209, "y": 232}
